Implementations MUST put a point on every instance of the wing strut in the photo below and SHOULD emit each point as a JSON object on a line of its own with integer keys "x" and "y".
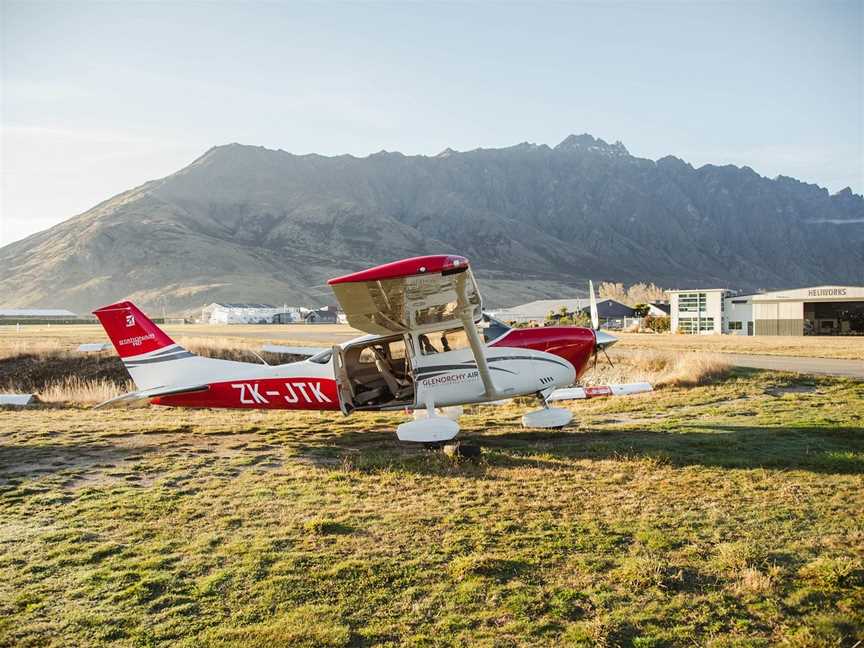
{"x": 466, "y": 314}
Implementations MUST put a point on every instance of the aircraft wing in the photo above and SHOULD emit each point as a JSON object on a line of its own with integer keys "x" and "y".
{"x": 146, "y": 394}
{"x": 578, "y": 393}
{"x": 294, "y": 350}
{"x": 91, "y": 347}
{"x": 428, "y": 292}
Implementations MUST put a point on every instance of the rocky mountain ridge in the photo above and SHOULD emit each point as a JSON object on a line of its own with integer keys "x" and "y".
{"x": 245, "y": 223}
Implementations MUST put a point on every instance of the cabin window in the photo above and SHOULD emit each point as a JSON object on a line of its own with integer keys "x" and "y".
{"x": 442, "y": 342}
{"x": 397, "y": 350}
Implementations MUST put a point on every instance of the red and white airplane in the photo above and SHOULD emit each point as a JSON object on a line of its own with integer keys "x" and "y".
{"x": 429, "y": 345}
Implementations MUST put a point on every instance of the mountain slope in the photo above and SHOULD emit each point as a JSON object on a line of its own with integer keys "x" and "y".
{"x": 245, "y": 223}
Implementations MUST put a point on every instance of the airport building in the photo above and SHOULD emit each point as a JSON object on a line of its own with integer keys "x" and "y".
{"x": 821, "y": 310}
{"x": 38, "y": 316}
{"x": 223, "y": 313}
{"x": 611, "y": 313}
{"x": 697, "y": 312}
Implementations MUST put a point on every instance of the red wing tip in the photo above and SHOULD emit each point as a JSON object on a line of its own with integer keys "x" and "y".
{"x": 405, "y": 268}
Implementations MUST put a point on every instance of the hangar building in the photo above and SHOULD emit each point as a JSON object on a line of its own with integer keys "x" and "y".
{"x": 821, "y": 310}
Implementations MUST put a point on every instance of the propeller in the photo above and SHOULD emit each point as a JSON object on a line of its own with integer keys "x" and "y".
{"x": 603, "y": 340}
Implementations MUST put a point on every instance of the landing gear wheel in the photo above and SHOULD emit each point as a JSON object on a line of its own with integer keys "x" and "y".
{"x": 460, "y": 450}
{"x": 550, "y": 418}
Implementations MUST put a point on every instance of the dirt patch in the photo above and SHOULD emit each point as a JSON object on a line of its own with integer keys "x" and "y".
{"x": 93, "y": 464}
{"x": 790, "y": 389}
{"x": 20, "y": 461}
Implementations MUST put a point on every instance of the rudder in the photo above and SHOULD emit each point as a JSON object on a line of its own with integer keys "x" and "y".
{"x": 131, "y": 332}
{"x": 146, "y": 350}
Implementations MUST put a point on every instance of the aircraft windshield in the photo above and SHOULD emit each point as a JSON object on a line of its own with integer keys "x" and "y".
{"x": 322, "y": 358}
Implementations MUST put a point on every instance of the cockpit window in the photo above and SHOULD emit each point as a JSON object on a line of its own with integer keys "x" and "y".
{"x": 492, "y": 328}
{"x": 322, "y": 358}
{"x": 454, "y": 339}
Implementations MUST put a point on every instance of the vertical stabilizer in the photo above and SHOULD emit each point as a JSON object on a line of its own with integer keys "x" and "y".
{"x": 131, "y": 331}
{"x": 146, "y": 350}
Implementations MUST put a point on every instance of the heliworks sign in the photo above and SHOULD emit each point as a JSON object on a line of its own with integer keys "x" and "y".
{"x": 827, "y": 292}
{"x": 817, "y": 293}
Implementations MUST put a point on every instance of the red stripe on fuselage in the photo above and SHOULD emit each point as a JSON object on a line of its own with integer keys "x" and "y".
{"x": 267, "y": 393}
{"x": 573, "y": 343}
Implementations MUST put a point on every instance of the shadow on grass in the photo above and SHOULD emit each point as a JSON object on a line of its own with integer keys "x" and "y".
{"x": 830, "y": 450}
{"x": 836, "y": 450}
{"x": 26, "y": 461}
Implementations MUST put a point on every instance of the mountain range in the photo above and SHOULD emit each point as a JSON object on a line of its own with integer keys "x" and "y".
{"x": 249, "y": 224}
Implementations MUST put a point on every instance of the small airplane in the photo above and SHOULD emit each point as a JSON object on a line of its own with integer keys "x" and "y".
{"x": 429, "y": 346}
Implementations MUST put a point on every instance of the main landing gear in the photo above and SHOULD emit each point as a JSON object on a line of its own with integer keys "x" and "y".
{"x": 548, "y": 417}
{"x": 429, "y": 427}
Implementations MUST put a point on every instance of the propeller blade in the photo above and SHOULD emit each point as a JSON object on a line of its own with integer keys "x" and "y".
{"x": 595, "y": 318}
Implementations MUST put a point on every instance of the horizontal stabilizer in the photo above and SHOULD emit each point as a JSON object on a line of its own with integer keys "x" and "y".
{"x": 579, "y": 393}
{"x": 146, "y": 394}
{"x": 92, "y": 347}
{"x": 18, "y": 400}
{"x": 293, "y": 350}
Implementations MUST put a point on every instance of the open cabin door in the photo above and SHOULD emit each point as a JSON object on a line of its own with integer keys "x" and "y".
{"x": 408, "y": 298}
{"x": 343, "y": 383}
{"x": 415, "y": 294}
{"x": 430, "y": 293}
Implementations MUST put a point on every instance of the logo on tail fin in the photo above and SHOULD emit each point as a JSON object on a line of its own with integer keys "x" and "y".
{"x": 130, "y": 320}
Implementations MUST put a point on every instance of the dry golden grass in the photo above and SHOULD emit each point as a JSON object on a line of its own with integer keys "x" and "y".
{"x": 73, "y": 389}
{"x": 660, "y": 368}
{"x": 851, "y": 347}
{"x": 691, "y": 369}
{"x": 11, "y": 347}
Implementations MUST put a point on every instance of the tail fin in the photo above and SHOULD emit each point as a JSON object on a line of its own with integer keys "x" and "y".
{"x": 131, "y": 331}
{"x": 143, "y": 346}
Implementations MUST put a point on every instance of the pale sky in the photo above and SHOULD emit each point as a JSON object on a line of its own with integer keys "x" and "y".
{"x": 100, "y": 97}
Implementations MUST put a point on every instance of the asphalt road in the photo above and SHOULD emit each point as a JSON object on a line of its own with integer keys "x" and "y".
{"x": 829, "y": 366}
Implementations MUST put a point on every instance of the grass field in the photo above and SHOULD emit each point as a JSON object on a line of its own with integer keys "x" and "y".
{"x": 729, "y": 514}
{"x": 850, "y": 347}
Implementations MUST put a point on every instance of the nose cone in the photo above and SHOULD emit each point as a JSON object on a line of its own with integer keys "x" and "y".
{"x": 604, "y": 340}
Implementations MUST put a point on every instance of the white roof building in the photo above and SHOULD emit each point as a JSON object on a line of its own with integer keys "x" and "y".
{"x": 537, "y": 311}
{"x": 239, "y": 313}
{"x": 37, "y": 313}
